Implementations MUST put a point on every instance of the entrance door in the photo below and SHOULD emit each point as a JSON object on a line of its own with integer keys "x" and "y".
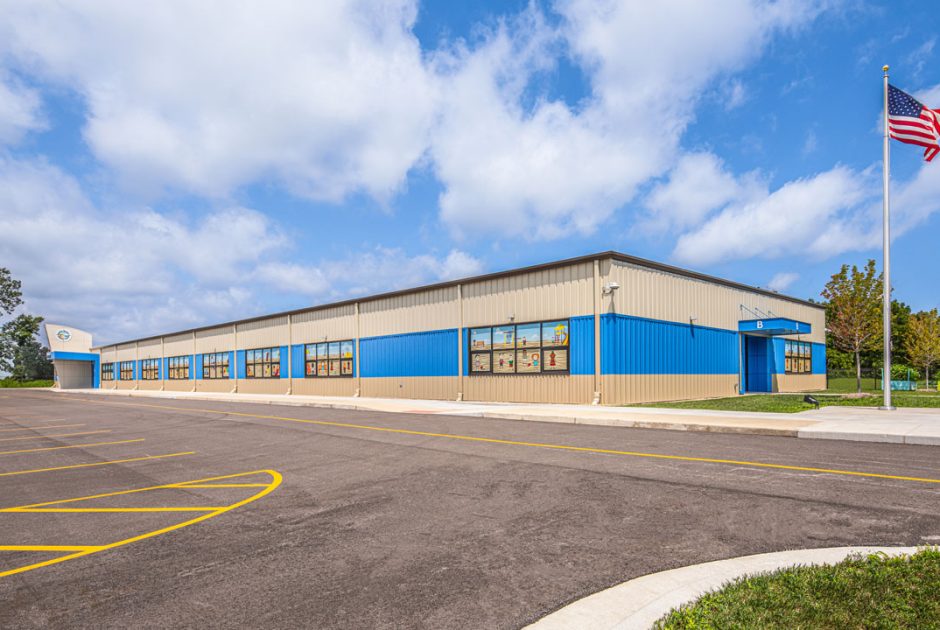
{"x": 757, "y": 364}
{"x": 74, "y": 374}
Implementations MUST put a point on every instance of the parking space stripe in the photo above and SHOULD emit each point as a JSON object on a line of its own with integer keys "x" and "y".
{"x": 43, "y": 428}
{"x": 219, "y": 485}
{"x": 108, "y": 463}
{"x": 49, "y": 547}
{"x": 59, "y": 448}
{"x": 46, "y": 437}
{"x": 106, "y": 509}
{"x": 541, "y": 445}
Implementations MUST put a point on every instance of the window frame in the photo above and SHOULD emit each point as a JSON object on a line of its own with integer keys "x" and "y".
{"x": 492, "y": 351}
{"x": 263, "y": 362}
{"x": 329, "y": 359}
{"x": 218, "y": 362}
{"x": 126, "y": 367}
{"x": 150, "y": 369}
{"x": 177, "y": 368}
{"x": 797, "y": 357}
{"x": 107, "y": 371}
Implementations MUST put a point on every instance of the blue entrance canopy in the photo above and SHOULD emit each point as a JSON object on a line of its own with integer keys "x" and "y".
{"x": 774, "y": 326}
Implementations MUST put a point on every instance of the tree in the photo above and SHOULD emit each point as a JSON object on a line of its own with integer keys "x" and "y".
{"x": 10, "y": 294}
{"x": 923, "y": 340}
{"x": 854, "y": 312}
{"x": 21, "y": 354}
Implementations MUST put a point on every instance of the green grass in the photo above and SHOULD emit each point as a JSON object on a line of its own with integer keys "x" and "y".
{"x": 9, "y": 382}
{"x": 860, "y": 592}
{"x": 793, "y": 403}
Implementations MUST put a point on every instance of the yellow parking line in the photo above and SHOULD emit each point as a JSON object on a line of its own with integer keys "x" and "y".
{"x": 59, "y": 448}
{"x": 106, "y": 509}
{"x": 48, "y": 548}
{"x": 44, "y": 437}
{"x": 218, "y": 485}
{"x": 54, "y": 426}
{"x": 275, "y": 482}
{"x": 115, "y": 461}
{"x": 559, "y": 447}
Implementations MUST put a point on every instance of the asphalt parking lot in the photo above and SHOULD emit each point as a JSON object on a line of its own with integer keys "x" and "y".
{"x": 246, "y": 515}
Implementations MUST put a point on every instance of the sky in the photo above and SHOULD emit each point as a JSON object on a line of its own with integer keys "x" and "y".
{"x": 169, "y": 165}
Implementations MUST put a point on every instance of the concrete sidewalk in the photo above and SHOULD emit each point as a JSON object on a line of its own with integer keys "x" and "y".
{"x": 862, "y": 424}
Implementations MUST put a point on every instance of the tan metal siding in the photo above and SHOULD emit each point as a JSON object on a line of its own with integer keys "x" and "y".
{"x": 149, "y": 385}
{"x": 546, "y": 294}
{"x": 179, "y": 386}
{"x": 621, "y": 389}
{"x": 324, "y": 386}
{"x": 215, "y": 340}
{"x": 149, "y": 349}
{"x": 263, "y": 385}
{"x": 426, "y": 310}
{"x": 550, "y": 388}
{"x": 126, "y": 352}
{"x": 215, "y": 385}
{"x": 799, "y": 382}
{"x": 73, "y": 374}
{"x": 424, "y": 387}
{"x": 329, "y": 324}
{"x": 263, "y": 334}
{"x": 664, "y": 296}
{"x": 178, "y": 345}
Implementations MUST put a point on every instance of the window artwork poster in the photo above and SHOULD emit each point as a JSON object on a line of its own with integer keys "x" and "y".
{"x": 250, "y": 371}
{"x": 555, "y": 333}
{"x": 321, "y": 351}
{"x": 276, "y": 370}
{"x": 528, "y": 361}
{"x": 310, "y": 369}
{"x": 347, "y": 367}
{"x": 504, "y": 337}
{"x": 480, "y": 338}
{"x": 267, "y": 370}
{"x": 346, "y": 349}
{"x": 480, "y": 362}
{"x": 323, "y": 368}
{"x": 504, "y": 362}
{"x": 527, "y": 335}
{"x": 334, "y": 368}
{"x": 276, "y": 354}
{"x": 334, "y": 350}
{"x": 554, "y": 360}
{"x": 311, "y": 353}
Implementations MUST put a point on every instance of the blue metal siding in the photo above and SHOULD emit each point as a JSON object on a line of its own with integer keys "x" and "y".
{"x": 197, "y": 365}
{"x": 819, "y": 358}
{"x": 432, "y": 353}
{"x": 465, "y": 366}
{"x": 581, "y": 344}
{"x": 239, "y": 370}
{"x": 778, "y": 363}
{"x": 285, "y": 363}
{"x": 635, "y": 345}
{"x": 138, "y": 365}
{"x": 297, "y": 368}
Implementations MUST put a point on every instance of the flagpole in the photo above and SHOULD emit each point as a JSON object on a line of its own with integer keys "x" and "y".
{"x": 886, "y": 235}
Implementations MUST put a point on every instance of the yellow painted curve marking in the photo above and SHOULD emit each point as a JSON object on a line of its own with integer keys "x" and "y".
{"x": 46, "y": 547}
{"x": 46, "y": 437}
{"x": 103, "y": 510}
{"x": 276, "y": 479}
{"x": 107, "y": 463}
{"x": 559, "y": 447}
{"x": 43, "y": 428}
{"x": 59, "y": 448}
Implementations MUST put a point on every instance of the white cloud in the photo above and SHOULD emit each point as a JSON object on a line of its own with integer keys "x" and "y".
{"x": 328, "y": 98}
{"x": 19, "y": 110}
{"x": 553, "y": 169}
{"x": 736, "y": 95}
{"x": 817, "y": 216}
{"x": 782, "y": 281}
{"x": 811, "y": 143}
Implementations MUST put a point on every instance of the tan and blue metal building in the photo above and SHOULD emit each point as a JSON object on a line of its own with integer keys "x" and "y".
{"x": 608, "y": 328}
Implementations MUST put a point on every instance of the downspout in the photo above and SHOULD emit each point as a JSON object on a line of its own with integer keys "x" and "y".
{"x": 235, "y": 357}
{"x": 356, "y": 363}
{"x": 290, "y": 355}
{"x": 597, "y": 333}
{"x": 459, "y": 343}
{"x": 163, "y": 365}
{"x": 193, "y": 361}
{"x": 136, "y": 366}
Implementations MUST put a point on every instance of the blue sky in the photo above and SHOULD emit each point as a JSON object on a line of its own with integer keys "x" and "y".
{"x": 169, "y": 165}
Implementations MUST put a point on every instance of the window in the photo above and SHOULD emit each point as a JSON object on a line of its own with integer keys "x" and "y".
{"x": 107, "y": 371}
{"x": 150, "y": 369}
{"x": 334, "y": 358}
{"x": 177, "y": 368}
{"x": 127, "y": 370}
{"x": 799, "y": 357}
{"x": 215, "y": 365}
{"x": 263, "y": 363}
{"x": 533, "y": 348}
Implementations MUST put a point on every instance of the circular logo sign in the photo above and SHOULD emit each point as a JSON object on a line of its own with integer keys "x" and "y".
{"x": 63, "y": 335}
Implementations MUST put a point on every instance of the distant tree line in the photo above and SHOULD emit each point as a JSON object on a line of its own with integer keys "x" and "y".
{"x": 856, "y": 328}
{"x": 22, "y": 355}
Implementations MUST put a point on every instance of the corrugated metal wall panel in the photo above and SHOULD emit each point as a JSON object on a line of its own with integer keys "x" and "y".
{"x": 126, "y": 352}
{"x": 548, "y": 294}
{"x": 265, "y": 333}
{"x": 178, "y": 345}
{"x": 324, "y": 386}
{"x": 621, "y": 389}
{"x": 428, "y": 387}
{"x": 427, "y": 310}
{"x": 550, "y": 388}
{"x": 819, "y": 358}
{"x": 632, "y": 345}
{"x": 432, "y": 353}
{"x": 214, "y": 340}
{"x": 150, "y": 349}
{"x": 262, "y": 386}
{"x": 330, "y": 324}
{"x": 581, "y": 345}
{"x": 664, "y": 296}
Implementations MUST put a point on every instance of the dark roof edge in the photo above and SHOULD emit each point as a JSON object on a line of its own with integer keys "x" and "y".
{"x": 641, "y": 262}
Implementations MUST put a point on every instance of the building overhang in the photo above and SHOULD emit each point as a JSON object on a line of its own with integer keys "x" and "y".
{"x": 74, "y": 356}
{"x": 774, "y": 326}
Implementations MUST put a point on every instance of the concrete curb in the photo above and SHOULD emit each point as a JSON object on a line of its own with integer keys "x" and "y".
{"x": 638, "y": 603}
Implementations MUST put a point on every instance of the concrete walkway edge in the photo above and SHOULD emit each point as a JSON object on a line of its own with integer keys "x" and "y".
{"x": 638, "y": 603}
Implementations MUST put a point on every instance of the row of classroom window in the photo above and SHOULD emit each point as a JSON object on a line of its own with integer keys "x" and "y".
{"x": 525, "y": 348}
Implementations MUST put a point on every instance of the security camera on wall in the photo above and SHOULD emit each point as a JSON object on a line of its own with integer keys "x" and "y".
{"x": 610, "y": 287}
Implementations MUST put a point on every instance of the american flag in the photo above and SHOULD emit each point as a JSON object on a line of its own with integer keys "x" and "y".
{"x": 911, "y": 122}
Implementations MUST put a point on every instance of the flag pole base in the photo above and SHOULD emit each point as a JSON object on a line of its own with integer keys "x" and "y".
{"x": 883, "y": 408}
